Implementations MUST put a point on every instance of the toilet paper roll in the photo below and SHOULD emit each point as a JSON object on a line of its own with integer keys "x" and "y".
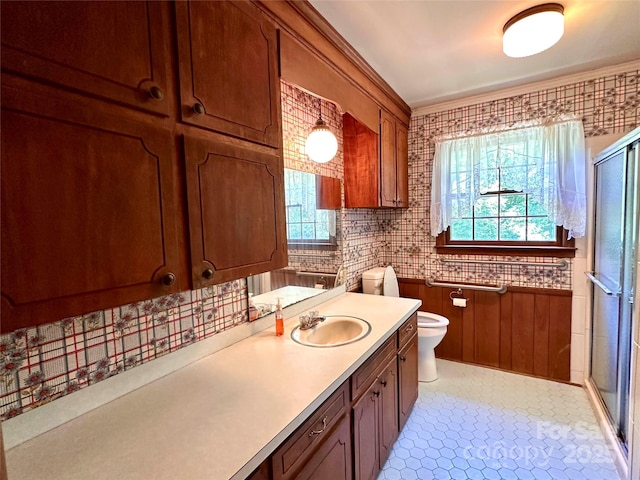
{"x": 460, "y": 302}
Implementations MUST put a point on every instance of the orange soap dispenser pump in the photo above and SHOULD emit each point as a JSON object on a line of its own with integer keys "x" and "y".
{"x": 279, "y": 319}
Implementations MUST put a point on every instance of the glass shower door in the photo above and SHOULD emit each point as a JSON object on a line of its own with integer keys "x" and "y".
{"x": 609, "y": 339}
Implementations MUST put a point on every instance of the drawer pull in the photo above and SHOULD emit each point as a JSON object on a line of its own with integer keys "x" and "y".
{"x": 409, "y": 328}
{"x": 383, "y": 383}
{"x": 318, "y": 432}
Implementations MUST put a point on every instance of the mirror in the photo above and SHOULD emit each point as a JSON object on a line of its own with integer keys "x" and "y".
{"x": 314, "y": 240}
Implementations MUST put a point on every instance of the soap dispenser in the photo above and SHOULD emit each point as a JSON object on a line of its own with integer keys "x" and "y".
{"x": 279, "y": 319}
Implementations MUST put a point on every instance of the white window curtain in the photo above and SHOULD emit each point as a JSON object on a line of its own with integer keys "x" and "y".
{"x": 545, "y": 160}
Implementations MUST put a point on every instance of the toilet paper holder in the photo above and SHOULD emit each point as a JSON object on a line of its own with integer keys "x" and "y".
{"x": 457, "y": 298}
{"x": 456, "y": 294}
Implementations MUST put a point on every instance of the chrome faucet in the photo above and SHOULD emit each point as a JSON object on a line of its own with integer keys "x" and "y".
{"x": 311, "y": 320}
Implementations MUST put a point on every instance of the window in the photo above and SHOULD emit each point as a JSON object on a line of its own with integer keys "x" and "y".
{"x": 306, "y": 224}
{"x": 512, "y": 189}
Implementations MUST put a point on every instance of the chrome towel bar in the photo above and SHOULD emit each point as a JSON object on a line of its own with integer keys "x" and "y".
{"x": 484, "y": 288}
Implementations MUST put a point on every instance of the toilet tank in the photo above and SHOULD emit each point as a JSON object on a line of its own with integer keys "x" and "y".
{"x": 372, "y": 281}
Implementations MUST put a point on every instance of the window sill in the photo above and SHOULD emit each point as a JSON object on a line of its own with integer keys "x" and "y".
{"x": 507, "y": 251}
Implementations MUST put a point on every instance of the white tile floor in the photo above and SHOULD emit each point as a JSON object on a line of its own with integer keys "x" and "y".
{"x": 478, "y": 423}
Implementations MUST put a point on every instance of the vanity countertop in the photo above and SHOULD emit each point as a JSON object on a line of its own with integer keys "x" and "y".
{"x": 217, "y": 418}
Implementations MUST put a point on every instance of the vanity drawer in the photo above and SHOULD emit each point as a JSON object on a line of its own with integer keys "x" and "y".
{"x": 366, "y": 374}
{"x": 407, "y": 330}
{"x": 304, "y": 442}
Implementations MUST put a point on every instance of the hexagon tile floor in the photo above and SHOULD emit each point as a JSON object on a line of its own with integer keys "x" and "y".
{"x": 479, "y": 423}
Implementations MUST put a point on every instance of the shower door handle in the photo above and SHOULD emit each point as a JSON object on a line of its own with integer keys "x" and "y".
{"x": 602, "y": 286}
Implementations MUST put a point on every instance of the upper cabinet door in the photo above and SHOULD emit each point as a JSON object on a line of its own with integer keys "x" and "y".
{"x": 387, "y": 160}
{"x": 402, "y": 165}
{"x": 229, "y": 78}
{"x": 235, "y": 198}
{"x": 118, "y": 51}
{"x": 88, "y": 210}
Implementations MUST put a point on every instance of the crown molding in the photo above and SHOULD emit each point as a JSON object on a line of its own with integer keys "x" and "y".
{"x": 528, "y": 88}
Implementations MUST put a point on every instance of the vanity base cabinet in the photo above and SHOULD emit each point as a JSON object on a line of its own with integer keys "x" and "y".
{"x": 352, "y": 433}
{"x": 407, "y": 379}
{"x": 332, "y": 460}
{"x": 366, "y": 454}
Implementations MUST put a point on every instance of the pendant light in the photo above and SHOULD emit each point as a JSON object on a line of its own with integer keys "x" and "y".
{"x": 533, "y": 30}
{"x": 321, "y": 145}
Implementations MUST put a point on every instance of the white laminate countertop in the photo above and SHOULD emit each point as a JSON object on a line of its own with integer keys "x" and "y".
{"x": 217, "y": 418}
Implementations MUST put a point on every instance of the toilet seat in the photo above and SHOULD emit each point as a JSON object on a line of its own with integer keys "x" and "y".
{"x": 431, "y": 320}
{"x": 390, "y": 286}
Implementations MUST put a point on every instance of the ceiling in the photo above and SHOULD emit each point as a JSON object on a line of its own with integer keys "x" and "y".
{"x": 436, "y": 51}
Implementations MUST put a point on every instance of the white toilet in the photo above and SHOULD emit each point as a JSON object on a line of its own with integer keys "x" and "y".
{"x": 431, "y": 327}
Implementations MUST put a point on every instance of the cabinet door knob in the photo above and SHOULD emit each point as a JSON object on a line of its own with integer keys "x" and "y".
{"x": 376, "y": 393}
{"x": 198, "y": 108}
{"x": 156, "y": 93}
{"x": 207, "y": 274}
{"x": 409, "y": 328}
{"x": 168, "y": 279}
{"x": 403, "y": 358}
{"x": 383, "y": 383}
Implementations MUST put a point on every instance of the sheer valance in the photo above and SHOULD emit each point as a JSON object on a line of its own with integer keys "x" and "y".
{"x": 546, "y": 161}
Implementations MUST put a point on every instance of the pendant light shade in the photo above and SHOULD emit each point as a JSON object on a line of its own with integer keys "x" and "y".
{"x": 533, "y": 30}
{"x": 321, "y": 145}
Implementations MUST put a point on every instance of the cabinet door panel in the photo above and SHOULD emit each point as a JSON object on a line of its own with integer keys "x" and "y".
{"x": 236, "y": 211}
{"x": 408, "y": 379}
{"x": 332, "y": 460}
{"x": 229, "y": 66}
{"x": 387, "y": 160}
{"x": 113, "y": 50}
{"x": 88, "y": 211}
{"x": 366, "y": 434}
{"x": 388, "y": 409}
{"x": 402, "y": 165}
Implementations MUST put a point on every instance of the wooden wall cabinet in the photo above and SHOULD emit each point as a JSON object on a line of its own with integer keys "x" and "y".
{"x": 94, "y": 165}
{"x": 89, "y": 210}
{"x": 117, "y": 51}
{"x": 229, "y": 79}
{"x": 376, "y": 168}
{"x": 236, "y": 211}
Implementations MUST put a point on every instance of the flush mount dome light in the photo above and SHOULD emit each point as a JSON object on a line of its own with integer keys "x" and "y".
{"x": 321, "y": 145}
{"x": 533, "y": 30}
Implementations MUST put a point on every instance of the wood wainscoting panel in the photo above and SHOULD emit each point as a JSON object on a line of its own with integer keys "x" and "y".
{"x": 525, "y": 330}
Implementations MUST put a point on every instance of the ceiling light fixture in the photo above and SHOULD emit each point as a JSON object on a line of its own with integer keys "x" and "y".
{"x": 321, "y": 145}
{"x": 533, "y": 30}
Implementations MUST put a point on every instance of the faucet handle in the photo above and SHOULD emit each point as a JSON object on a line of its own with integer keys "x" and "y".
{"x": 313, "y": 313}
{"x": 305, "y": 320}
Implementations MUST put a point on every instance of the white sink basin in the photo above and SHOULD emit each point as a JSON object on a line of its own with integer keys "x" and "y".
{"x": 336, "y": 330}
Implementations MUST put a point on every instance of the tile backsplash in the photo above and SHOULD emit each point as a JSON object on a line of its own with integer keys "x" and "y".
{"x": 43, "y": 363}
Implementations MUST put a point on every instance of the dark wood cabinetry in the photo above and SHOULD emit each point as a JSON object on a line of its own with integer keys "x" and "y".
{"x": 322, "y": 445}
{"x": 376, "y": 168}
{"x": 407, "y": 379}
{"x": 89, "y": 211}
{"x": 94, "y": 211}
{"x": 366, "y": 433}
{"x": 236, "y": 211}
{"x": 388, "y": 382}
{"x": 394, "y": 162}
{"x": 228, "y": 56}
{"x": 119, "y": 51}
